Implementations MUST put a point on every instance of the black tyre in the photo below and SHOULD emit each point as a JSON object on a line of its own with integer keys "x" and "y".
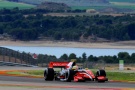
{"x": 49, "y": 74}
{"x": 100, "y": 73}
{"x": 70, "y": 75}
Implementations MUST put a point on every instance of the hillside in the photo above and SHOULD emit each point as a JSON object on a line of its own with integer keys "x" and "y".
{"x": 116, "y": 6}
{"x": 129, "y": 1}
{"x": 53, "y": 6}
{"x": 69, "y": 2}
{"x": 10, "y": 5}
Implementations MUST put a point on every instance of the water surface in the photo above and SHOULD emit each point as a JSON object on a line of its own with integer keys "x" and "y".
{"x": 58, "y": 51}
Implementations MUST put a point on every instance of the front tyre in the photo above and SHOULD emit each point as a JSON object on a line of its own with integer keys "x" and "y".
{"x": 69, "y": 75}
{"x": 101, "y": 73}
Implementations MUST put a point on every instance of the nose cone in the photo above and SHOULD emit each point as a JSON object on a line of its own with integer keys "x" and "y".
{"x": 90, "y": 73}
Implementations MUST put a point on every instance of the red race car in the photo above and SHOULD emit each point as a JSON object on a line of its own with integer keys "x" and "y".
{"x": 70, "y": 71}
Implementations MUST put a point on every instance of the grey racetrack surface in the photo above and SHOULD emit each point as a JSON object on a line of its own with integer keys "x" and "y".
{"x": 20, "y": 83}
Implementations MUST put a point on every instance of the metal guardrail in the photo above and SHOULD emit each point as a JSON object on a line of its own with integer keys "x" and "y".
{"x": 2, "y": 63}
{"x": 16, "y": 58}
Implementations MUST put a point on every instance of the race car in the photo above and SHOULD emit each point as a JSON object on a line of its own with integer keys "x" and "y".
{"x": 70, "y": 71}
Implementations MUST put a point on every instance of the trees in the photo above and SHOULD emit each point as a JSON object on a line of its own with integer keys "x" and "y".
{"x": 57, "y": 36}
{"x": 124, "y": 56}
{"x": 24, "y": 34}
{"x": 92, "y": 58}
{"x": 66, "y": 35}
{"x": 72, "y": 56}
{"x": 132, "y": 59}
{"x": 126, "y": 37}
{"x": 1, "y": 29}
{"x": 69, "y": 28}
{"x": 64, "y": 57}
{"x": 131, "y": 31}
{"x": 27, "y": 57}
{"x": 84, "y": 57}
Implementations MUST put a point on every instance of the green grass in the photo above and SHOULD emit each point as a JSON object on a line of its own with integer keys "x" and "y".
{"x": 121, "y": 4}
{"x": 126, "y": 7}
{"x": 15, "y": 72}
{"x": 121, "y": 76}
{"x": 115, "y": 3}
{"x": 36, "y": 72}
{"x": 10, "y": 5}
{"x": 102, "y": 7}
{"x": 121, "y": 0}
{"x": 28, "y": 72}
{"x": 118, "y": 76}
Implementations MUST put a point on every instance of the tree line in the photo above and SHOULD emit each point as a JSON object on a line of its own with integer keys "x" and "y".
{"x": 22, "y": 26}
{"x": 44, "y": 58}
{"x": 107, "y": 59}
{"x": 16, "y": 10}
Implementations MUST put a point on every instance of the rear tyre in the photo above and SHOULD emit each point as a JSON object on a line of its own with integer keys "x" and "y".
{"x": 49, "y": 74}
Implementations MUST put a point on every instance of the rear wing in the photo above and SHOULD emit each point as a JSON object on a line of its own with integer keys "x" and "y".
{"x": 58, "y": 64}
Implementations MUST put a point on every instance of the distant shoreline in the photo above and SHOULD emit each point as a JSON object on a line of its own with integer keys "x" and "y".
{"x": 110, "y": 45}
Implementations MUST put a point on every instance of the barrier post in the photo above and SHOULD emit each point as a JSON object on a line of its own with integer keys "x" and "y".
{"x": 121, "y": 64}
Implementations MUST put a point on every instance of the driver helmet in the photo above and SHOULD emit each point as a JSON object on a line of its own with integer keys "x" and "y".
{"x": 75, "y": 68}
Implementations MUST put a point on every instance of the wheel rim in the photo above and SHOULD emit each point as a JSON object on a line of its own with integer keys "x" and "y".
{"x": 67, "y": 75}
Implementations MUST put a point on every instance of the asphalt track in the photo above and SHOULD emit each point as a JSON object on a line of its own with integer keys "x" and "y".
{"x": 27, "y": 83}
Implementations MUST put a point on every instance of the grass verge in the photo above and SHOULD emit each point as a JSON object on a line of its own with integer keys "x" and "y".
{"x": 25, "y": 73}
{"x": 116, "y": 76}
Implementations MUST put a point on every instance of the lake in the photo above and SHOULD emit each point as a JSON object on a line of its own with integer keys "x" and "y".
{"x": 58, "y": 51}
